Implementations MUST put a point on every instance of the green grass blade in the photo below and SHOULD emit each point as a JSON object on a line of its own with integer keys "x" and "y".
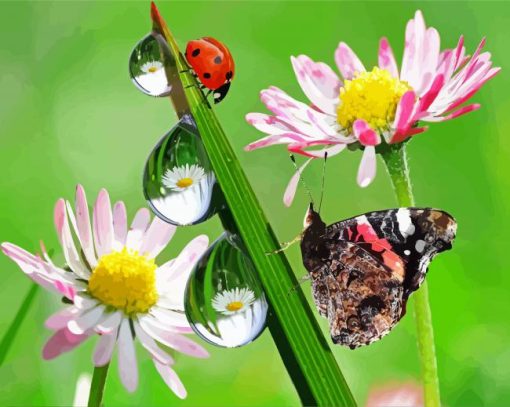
{"x": 304, "y": 350}
{"x": 12, "y": 331}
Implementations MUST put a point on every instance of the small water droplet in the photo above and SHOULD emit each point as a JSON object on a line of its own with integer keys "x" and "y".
{"x": 224, "y": 300}
{"x": 178, "y": 180}
{"x": 147, "y": 67}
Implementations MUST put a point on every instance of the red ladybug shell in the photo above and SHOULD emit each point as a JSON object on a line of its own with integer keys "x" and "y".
{"x": 213, "y": 64}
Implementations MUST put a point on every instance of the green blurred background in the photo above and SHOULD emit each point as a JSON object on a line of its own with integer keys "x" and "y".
{"x": 69, "y": 114}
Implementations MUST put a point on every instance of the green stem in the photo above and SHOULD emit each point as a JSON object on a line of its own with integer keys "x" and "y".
{"x": 10, "y": 335}
{"x": 97, "y": 385}
{"x": 396, "y": 164}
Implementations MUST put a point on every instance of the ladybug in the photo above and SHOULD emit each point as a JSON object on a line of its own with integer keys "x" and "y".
{"x": 212, "y": 63}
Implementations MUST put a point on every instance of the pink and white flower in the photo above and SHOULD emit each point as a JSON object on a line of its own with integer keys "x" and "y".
{"x": 114, "y": 287}
{"x": 407, "y": 394}
{"x": 372, "y": 107}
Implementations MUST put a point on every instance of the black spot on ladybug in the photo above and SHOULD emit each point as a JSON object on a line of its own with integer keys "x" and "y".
{"x": 229, "y": 75}
{"x": 217, "y": 60}
{"x": 207, "y": 75}
{"x": 196, "y": 52}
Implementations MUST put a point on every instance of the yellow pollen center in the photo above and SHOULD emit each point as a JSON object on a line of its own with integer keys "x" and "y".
{"x": 126, "y": 281}
{"x": 234, "y": 306}
{"x": 153, "y": 69}
{"x": 184, "y": 182}
{"x": 372, "y": 96}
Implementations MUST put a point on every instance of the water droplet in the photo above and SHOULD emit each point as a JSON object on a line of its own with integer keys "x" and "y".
{"x": 224, "y": 300}
{"x": 178, "y": 180}
{"x": 147, "y": 66}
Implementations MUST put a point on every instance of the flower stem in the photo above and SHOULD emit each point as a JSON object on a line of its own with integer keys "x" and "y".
{"x": 396, "y": 163}
{"x": 10, "y": 335}
{"x": 97, "y": 385}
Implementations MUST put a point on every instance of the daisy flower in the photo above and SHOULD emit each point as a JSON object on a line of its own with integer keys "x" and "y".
{"x": 151, "y": 67}
{"x": 115, "y": 287}
{"x": 241, "y": 318}
{"x": 153, "y": 78}
{"x": 233, "y": 301}
{"x": 378, "y": 107}
{"x": 181, "y": 178}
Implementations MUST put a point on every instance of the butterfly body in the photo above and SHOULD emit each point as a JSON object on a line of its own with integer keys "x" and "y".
{"x": 363, "y": 269}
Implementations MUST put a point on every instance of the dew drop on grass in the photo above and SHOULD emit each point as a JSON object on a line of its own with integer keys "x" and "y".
{"x": 178, "y": 181}
{"x": 147, "y": 67}
{"x": 224, "y": 299}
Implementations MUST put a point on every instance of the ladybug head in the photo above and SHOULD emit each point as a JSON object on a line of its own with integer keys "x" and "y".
{"x": 220, "y": 93}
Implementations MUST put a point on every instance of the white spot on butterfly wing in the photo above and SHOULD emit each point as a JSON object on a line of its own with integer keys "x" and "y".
{"x": 419, "y": 246}
{"x": 407, "y": 252}
{"x": 405, "y": 222}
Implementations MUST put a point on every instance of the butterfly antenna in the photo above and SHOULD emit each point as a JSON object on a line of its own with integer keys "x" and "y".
{"x": 293, "y": 159}
{"x": 323, "y": 179}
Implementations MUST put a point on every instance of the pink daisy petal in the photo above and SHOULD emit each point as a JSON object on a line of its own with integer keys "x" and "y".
{"x": 415, "y": 34}
{"x": 169, "y": 317}
{"x": 128, "y": 368}
{"x": 157, "y": 237}
{"x": 64, "y": 233}
{"x": 428, "y": 98}
{"x": 171, "y": 379}
{"x": 463, "y": 110}
{"x": 119, "y": 224}
{"x": 272, "y": 140}
{"x": 324, "y": 99}
{"x": 403, "y": 117}
{"x": 41, "y": 272}
{"x": 62, "y": 341}
{"x": 175, "y": 341}
{"x": 177, "y": 271}
{"x": 290, "y": 191}
{"x": 347, "y": 61}
{"x": 151, "y": 346}
{"x": 269, "y": 124}
{"x": 104, "y": 349}
{"x": 386, "y": 58}
{"x": 365, "y": 134}
{"x": 367, "y": 168}
{"x": 299, "y": 149}
{"x": 60, "y": 319}
{"x": 103, "y": 223}
{"x": 83, "y": 225}
{"x": 137, "y": 229}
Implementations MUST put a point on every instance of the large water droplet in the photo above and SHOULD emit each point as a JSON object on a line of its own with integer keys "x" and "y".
{"x": 178, "y": 180}
{"x": 147, "y": 67}
{"x": 224, "y": 300}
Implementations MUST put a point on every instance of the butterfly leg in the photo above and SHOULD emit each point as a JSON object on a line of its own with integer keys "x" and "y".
{"x": 300, "y": 281}
{"x": 285, "y": 245}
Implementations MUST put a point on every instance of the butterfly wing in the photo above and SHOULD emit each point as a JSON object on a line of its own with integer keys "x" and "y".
{"x": 361, "y": 298}
{"x": 404, "y": 240}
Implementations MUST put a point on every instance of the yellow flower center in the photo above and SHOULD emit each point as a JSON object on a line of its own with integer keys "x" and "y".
{"x": 126, "y": 281}
{"x": 372, "y": 96}
{"x": 234, "y": 306}
{"x": 153, "y": 69}
{"x": 184, "y": 182}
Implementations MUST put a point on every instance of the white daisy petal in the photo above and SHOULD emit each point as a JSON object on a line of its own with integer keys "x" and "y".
{"x": 104, "y": 349}
{"x": 83, "y": 322}
{"x": 128, "y": 368}
{"x": 152, "y": 347}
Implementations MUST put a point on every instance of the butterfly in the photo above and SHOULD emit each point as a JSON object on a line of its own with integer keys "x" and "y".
{"x": 364, "y": 269}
